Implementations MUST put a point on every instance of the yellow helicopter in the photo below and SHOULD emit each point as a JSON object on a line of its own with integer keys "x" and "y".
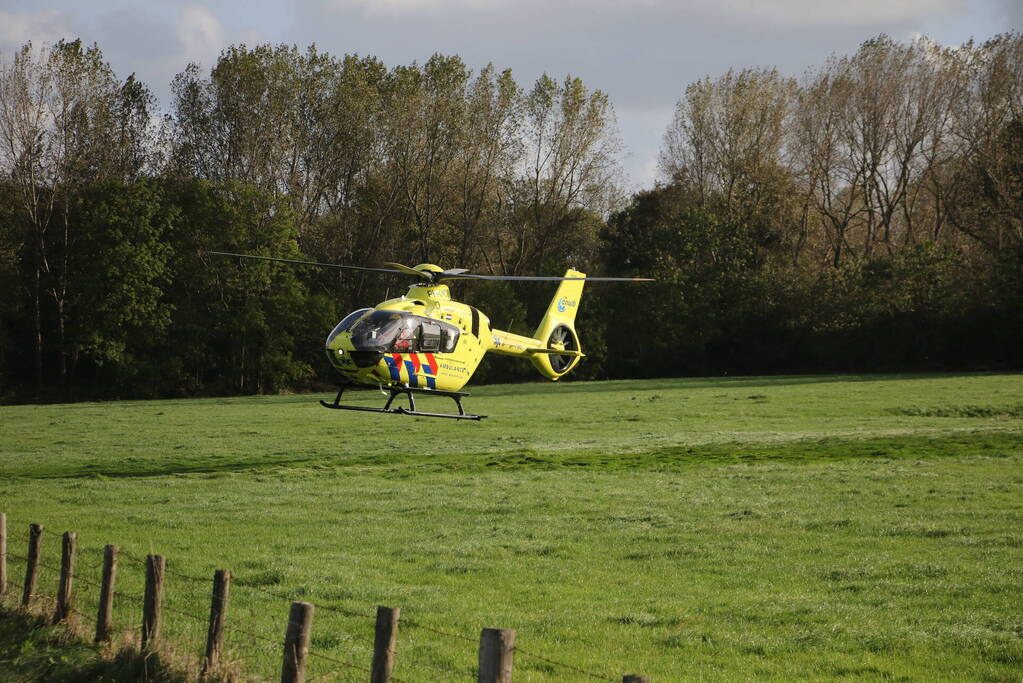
{"x": 429, "y": 344}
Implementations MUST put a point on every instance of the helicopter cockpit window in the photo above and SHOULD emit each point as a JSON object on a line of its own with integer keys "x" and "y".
{"x": 448, "y": 338}
{"x": 380, "y": 331}
{"x": 437, "y": 337}
{"x": 429, "y": 337}
{"x": 347, "y": 322}
{"x": 400, "y": 332}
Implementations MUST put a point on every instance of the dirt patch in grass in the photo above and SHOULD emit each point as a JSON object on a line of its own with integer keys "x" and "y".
{"x": 961, "y": 411}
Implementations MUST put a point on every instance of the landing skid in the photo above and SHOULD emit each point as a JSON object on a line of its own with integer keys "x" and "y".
{"x": 395, "y": 392}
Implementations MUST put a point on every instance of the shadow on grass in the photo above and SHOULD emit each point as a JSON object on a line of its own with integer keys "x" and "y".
{"x": 675, "y": 458}
{"x": 162, "y": 469}
{"x": 32, "y": 650}
{"x": 667, "y": 458}
{"x": 740, "y": 382}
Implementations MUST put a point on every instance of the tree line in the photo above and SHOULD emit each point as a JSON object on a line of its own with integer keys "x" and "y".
{"x": 866, "y": 216}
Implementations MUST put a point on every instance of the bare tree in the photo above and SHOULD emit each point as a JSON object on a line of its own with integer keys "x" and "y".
{"x": 425, "y": 113}
{"x": 568, "y": 172}
{"x": 989, "y": 126}
{"x": 821, "y": 160}
{"x": 24, "y": 120}
{"x": 490, "y": 146}
{"x": 871, "y": 140}
{"x": 65, "y": 122}
{"x": 727, "y": 144}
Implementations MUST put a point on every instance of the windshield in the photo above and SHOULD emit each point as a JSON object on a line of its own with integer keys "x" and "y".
{"x": 381, "y": 330}
{"x": 402, "y": 332}
{"x": 347, "y": 323}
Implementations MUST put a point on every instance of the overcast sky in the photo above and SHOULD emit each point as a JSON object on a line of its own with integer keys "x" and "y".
{"x": 641, "y": 52}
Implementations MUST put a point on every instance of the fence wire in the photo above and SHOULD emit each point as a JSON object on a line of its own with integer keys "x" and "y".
{"x": 416, "y": 624}
{"x": 570, "y": 667}
{"x": 270, "y": 644}
{"x": 443, "y": 669}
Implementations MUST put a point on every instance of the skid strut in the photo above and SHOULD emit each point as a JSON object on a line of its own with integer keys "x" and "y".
{"x": 395, "y": 392}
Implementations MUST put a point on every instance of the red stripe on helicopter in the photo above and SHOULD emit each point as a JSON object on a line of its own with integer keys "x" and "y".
{"x": 414, "y": 365}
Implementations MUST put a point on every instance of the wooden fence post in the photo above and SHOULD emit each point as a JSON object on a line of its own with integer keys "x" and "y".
{"x": 3, "y": 553}
{"x": 497, "y": 648}
{"x": 104, "y": 615}
{"x": 152, "y": 617}
{"x": 383, "y": 644}
{"x": 635, "y": 678}
{"x": 296, "y": 642}
{"x": 66, "y": 587}
{"x": 35, "y": 538}
{"x": 218, "y": 617}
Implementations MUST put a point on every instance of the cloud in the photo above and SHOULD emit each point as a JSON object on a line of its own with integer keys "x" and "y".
{"x": 1012, "y": 11}
{"x": 643, "y": 127}
{"x": 200, "y": 34}
{"x": 773, "y": 13}
{"x": 45, "y": 26}
{"x": 536, "y": 10}
{"x": 402, "y": 6}
{"x": 831, "y": 13}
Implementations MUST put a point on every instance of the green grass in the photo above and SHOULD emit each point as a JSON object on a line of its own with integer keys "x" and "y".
{"x": 32, "y": 649}
{"x": 864, "y": 527}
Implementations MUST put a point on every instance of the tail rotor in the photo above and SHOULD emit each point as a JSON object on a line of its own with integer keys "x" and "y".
{"x": 563, "y": 338}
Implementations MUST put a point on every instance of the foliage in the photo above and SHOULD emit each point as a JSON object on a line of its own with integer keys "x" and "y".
{"x": 117, "y": 315}
{"x": 147, "y": 315}
{"x": 710, "y": 294}
{"x": 236, "y": 326}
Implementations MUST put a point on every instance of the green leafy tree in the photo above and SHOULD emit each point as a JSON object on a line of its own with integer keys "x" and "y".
{"x": 65, "y": 123}
{"x": 707, "y": 294}
{"x": 240, "y": 327}
{"x": 117, "y": 313}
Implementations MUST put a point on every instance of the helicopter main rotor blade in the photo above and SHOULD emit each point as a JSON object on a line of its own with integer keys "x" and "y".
{"x": 310, "y": 263}
{"x": 540, "y": 278}
{"x": 430, "y": 276}
{"x": 422, "y": 274}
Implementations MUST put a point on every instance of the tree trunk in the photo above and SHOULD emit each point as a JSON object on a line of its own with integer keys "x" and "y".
{"x": 38, "y": 320}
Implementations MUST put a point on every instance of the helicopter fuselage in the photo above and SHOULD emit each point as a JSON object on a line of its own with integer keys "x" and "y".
{"x": 421, "y": 340}
{"x": 426, "y": 340}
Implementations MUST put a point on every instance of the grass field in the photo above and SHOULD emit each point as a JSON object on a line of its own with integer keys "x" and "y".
{"x": 842, "y": 527}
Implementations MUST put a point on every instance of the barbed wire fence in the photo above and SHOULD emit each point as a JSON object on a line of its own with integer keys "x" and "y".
{"x": 235, "y": 650}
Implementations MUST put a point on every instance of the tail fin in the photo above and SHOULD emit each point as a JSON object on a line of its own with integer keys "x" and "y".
{"x": 557, "y": 329}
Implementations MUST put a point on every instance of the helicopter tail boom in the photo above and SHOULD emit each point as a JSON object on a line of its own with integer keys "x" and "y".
{"x": 554, "y": 347}
{"x": 556, "y": 331}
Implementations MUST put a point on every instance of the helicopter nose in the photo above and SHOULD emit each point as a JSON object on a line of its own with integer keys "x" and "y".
{"x": 337, "y": 354}
{"x": 344, "y": 355}
{"x": 365, "y": 359}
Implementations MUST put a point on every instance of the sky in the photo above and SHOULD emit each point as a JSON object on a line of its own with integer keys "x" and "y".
{"x": 642, "y": 53}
